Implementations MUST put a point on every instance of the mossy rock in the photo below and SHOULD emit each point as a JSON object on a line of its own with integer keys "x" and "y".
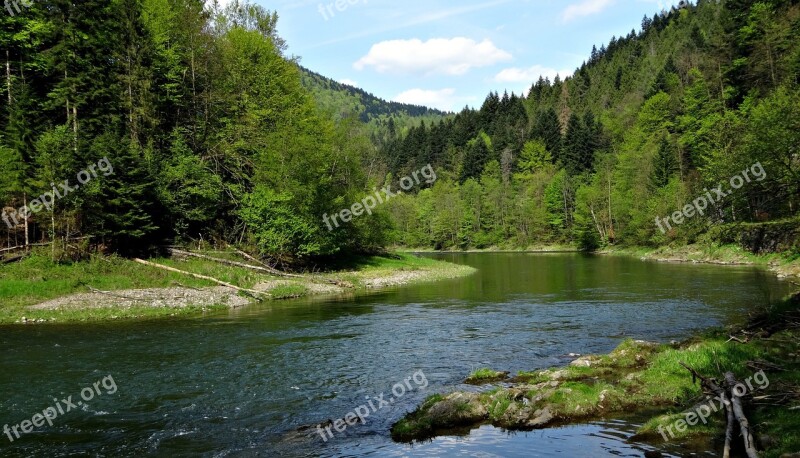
{"x": 440, "y": 413}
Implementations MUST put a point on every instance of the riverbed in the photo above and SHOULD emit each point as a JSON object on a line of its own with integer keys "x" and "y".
{"x": 255, "y": 381}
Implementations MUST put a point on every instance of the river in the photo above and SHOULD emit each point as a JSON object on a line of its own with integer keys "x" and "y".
{"x": 241, "y": 382}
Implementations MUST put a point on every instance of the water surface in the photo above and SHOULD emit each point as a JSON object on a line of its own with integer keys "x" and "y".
{"x": 241, "y": 382}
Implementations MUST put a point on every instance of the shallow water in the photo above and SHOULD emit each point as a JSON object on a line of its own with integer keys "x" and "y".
{"x": 241, "y": 383}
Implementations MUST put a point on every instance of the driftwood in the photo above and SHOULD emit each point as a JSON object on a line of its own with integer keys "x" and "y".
{"x": 109, "y": 293}
{"x": 249, "y": 292}
{"x": 712, "y": 386}
{"x": 263, "y": 268}
{"x": 12, "y": 259}
{"x": 738, "y": 411}
{"x": 233, "y": 263}
{"x": 253, "y": 259}
{"x": 12, "y": 248}
{"x": 726, "y": 453}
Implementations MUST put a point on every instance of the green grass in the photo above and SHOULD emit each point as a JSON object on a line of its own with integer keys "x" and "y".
{"x": 784, "y": 263}
{"x": 484, "y": 375}
{"x": 499, "y": 405}
{"x": 288, "y": 291}
{"x": 37, "y": 279}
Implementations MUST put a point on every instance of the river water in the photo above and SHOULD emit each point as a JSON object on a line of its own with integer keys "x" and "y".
{"x": 245, "y": 382}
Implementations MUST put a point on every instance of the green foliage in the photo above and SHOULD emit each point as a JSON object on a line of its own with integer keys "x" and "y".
{"x": 202, "y": 114}
{"x": 276, "y": 226}
{"x": 198, "y": 112}
{"x": 534, "y": 157}
{"x": 654, "y": 119}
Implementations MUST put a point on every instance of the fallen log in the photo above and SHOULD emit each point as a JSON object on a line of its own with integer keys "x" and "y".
{"x": 738, "y": 411}
{"x": 252, "y": 293}
{"x": 265, "y": 268}
{"x": 711, "y": 385}
{"x": 109, "y": 293}
{"x": 12, "y": 259}
{"x": 232, "y": 263}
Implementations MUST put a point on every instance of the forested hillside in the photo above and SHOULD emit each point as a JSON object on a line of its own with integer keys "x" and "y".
{"x": 386, "y": 119}
{"x": 202, "y": 128}
{"x": 361, "y": 102}
{"x": 200, "y": 125}
{"x": 701, "y": 96}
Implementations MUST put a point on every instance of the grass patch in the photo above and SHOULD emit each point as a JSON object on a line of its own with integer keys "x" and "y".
{"x": 485, "y": 375}
{"x": 37, "y": 279}
{"x": 288, "y": 291}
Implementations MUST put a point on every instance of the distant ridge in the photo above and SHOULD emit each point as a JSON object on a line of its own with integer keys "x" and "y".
{"x": 335, "y": 96}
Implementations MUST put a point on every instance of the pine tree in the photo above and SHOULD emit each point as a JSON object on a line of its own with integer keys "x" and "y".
{"x": 665, "y": 164}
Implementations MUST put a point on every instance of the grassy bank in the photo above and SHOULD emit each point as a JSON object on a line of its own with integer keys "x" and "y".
{"x": 548, "y": 248}
{"x": 783, "y": 264}
{"x": 38, "y": 290}
{"x": 642, "y": 376}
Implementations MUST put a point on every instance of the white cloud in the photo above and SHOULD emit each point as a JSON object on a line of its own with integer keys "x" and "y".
{"x": 454, "y": 56}
{"x": 443, "y": 99}
{"x": 348, "y": 82}
{"x": 585, "y": 8}
{"x": 529, "y": 75}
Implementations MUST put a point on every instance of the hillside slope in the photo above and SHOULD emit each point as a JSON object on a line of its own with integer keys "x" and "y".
{"x": 386, "y": 119}
{"x": 701, "y": 96}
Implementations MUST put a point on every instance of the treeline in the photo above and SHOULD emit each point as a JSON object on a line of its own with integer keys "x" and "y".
{"x": 205, "y": 122}
{"x": 650, "y": 122}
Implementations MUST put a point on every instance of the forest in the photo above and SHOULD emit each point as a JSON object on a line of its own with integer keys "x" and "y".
{"x": 651, "y": 121}
{"x": 214, "y": 133}
{"x": 203, "y": 118}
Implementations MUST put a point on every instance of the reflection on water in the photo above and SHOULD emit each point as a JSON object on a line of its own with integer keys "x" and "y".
{"x": 241, "y": 383}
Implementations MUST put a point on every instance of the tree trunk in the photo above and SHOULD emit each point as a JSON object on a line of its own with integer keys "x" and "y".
{"x": 25, "y": 203}
{"x": 249, "y": 292}
{"x": 738, "y": 411}
{"x": 8, "y": 77}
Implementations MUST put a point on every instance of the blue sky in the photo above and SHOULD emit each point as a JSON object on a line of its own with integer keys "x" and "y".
{"x": 448, "y": 54}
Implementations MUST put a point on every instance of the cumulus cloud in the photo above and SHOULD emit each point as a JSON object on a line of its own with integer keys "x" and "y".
{"x": 454, "y": 56}
{"x": 443, "y": 99}
{"x": 585, "y": 8}
{"x": 529, "y": 75}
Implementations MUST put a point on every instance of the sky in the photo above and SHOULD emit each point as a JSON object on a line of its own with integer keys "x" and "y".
{"x": 448, "y": 54}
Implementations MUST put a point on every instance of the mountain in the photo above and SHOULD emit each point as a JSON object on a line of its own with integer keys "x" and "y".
{"x": 340, "y": 100}
{"x": 627, "y": 149}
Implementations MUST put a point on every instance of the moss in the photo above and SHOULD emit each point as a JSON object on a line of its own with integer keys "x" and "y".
{"x": 661, "y": 426}
{"x": 485, "y": 375}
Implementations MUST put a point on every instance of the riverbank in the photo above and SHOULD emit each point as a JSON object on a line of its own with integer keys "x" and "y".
{"x": 640, "y": 376}
{"x": 550, "y": 248}
{"x": 783, "y": 265}
{"x": 36, "y": 290}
